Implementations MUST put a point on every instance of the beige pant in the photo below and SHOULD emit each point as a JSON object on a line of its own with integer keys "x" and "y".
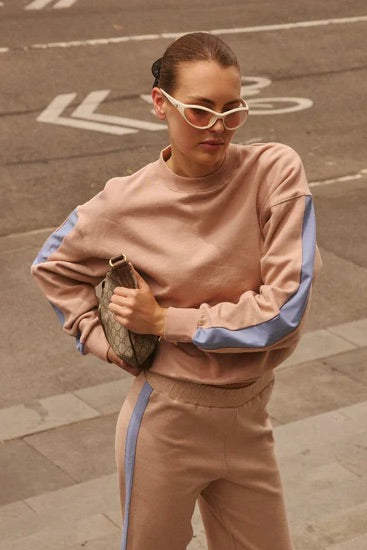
{"x": 178, "y": 442}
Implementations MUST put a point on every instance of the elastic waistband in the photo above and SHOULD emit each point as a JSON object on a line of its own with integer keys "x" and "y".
{"x": 204, "y": 395}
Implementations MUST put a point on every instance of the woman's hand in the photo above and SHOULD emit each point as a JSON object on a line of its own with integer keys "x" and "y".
{"x": 137, "y": 310}
{"x": 113, "y": 358}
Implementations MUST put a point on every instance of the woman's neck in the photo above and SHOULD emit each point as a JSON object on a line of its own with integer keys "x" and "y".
{"x": 181, "y": 167}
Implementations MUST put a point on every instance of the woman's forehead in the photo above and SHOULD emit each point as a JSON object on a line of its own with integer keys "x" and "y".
{"x": 208, "y": 82}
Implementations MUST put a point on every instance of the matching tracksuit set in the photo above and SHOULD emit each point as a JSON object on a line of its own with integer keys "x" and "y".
{"x": 233, "y": 257}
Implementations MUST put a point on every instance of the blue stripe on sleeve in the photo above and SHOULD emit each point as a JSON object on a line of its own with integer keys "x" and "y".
{"x": 130, "y": 451}
{"x": 55, "y": 240}
{"x": 79, "y": 344}
{"x": 50, "y": 246}
{"x": 290, "y": 314}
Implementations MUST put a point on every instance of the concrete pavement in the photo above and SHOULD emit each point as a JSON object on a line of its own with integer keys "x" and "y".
{"x": 60, "y": 488}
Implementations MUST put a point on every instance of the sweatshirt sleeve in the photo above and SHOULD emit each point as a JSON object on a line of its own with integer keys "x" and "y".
{"x": 68, "y": 268}
{"x": 273, "y": 316}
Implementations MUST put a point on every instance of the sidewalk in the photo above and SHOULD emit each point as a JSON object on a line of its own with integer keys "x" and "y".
{"x": 58, "y": 480}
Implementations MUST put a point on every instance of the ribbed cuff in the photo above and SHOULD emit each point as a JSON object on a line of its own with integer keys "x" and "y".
{"x": 97, "y": 343}
{"x": 181, "y": 324}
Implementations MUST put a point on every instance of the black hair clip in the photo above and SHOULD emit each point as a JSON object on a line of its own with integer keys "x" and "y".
{"x": 156, "y": 71}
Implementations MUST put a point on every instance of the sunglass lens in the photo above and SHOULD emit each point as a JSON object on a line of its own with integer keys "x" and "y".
{"x": 197, "y": 117}
{"x": 234, "y": 120}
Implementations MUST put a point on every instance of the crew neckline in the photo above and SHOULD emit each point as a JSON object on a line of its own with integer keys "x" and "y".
{"x": 205, "y": 183}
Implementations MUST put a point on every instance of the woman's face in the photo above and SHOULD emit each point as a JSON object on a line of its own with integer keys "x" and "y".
{"x": 198, "y": 152}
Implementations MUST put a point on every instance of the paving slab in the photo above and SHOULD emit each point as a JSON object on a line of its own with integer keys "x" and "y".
{"x": 110, "y": 542}
{"x": 356, "y": 413}
{"x": 305, "y": 458}
{"x": 307, "y": 507}
{"x": 198, "y": 541}
{"x": 341, "y": 221}
{"x": 39, "y": 359}
{"x": 308, "y": 495}
{"x": 354, "y": 457}
{"x": 324, "y": 429}
{"x": 316, "y": 345}
{"x": 65, "y": 534}
{"x": 88, "y": 498}
{"x": 43, "y": 414}
{"x": 355, "y": 332}
{"x": 318, "y": 478}
{"x": 306, "y": 539}
{"x": 343, "y": 525}
{"x": 13, "y": 516}
{"x": 25, "y": 472}
{"x": 353, "y": 364}
{"x": 336, "y": 296}
{"x": 357, "y": 543}
{"x": 84, "y": 450}
{"x": 106, "y": 398}
{"x": 313, "y": 388}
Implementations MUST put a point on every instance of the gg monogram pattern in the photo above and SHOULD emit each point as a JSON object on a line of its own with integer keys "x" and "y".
{"x": 131, "y": 347}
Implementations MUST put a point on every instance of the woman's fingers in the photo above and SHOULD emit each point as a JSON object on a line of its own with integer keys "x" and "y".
{"x": 113, "y": 358}
{"x": 125, "y": 292}
{"x": 142, "y": 283}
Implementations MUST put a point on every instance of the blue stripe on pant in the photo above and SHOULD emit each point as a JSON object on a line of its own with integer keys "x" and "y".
{"x": 130, "y": 449}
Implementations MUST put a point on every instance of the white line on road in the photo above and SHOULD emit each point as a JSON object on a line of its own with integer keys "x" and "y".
{"x": 349, "y": 177}
{"x": 37, "y": 4}
{"x": 40, "y": 4}
{"x": 239, "y": 30}
{"x": 64, "y": 4}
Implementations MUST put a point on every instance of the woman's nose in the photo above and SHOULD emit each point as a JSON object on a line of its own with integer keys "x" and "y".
{"x": 218, "y": 127}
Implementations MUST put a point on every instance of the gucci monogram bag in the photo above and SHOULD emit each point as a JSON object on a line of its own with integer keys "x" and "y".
{"x": 131, "y": 347}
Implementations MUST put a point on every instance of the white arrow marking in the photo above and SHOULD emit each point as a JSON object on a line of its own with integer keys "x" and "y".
{"x": 52, "y": 115}
{"x": 87, "y": 107}
{"x": 39, "y": 4}
{"x": 64, "y": 4}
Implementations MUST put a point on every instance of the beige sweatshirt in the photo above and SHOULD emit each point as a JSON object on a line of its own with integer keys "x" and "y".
{"x": 231, "y": 255}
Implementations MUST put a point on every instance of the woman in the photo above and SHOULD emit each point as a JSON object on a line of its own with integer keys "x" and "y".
{"x": 223, "y": 241}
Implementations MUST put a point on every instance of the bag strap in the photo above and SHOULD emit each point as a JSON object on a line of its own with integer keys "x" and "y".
{"x": 116, "y": 261}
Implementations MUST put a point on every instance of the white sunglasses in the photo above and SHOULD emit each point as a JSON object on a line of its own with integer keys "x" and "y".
{"x": 203, "y": 118}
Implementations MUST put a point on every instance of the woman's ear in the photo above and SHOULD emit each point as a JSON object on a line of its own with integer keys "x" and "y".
{"x": 159, "y": 103}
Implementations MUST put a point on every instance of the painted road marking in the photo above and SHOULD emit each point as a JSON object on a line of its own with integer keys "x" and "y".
{"x": 89, "y": 120}
{"x": 92, "y": 101}
{"x": 40, "y": 4}
{"x": 252, "y": 85}
{"x": 239, "y": 30}
{"x": 52, "y": 114}
{"x": 359, "y": 175}
{"x": 278, "y": 105}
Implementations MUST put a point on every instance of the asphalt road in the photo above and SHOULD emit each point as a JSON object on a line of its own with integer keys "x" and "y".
{"x": 309, "y": 58}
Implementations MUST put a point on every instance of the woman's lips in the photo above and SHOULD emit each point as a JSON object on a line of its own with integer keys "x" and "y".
{"x": 211, "y": 145}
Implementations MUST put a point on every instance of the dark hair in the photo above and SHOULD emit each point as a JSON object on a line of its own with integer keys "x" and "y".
{"x": 196, "y": 46}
